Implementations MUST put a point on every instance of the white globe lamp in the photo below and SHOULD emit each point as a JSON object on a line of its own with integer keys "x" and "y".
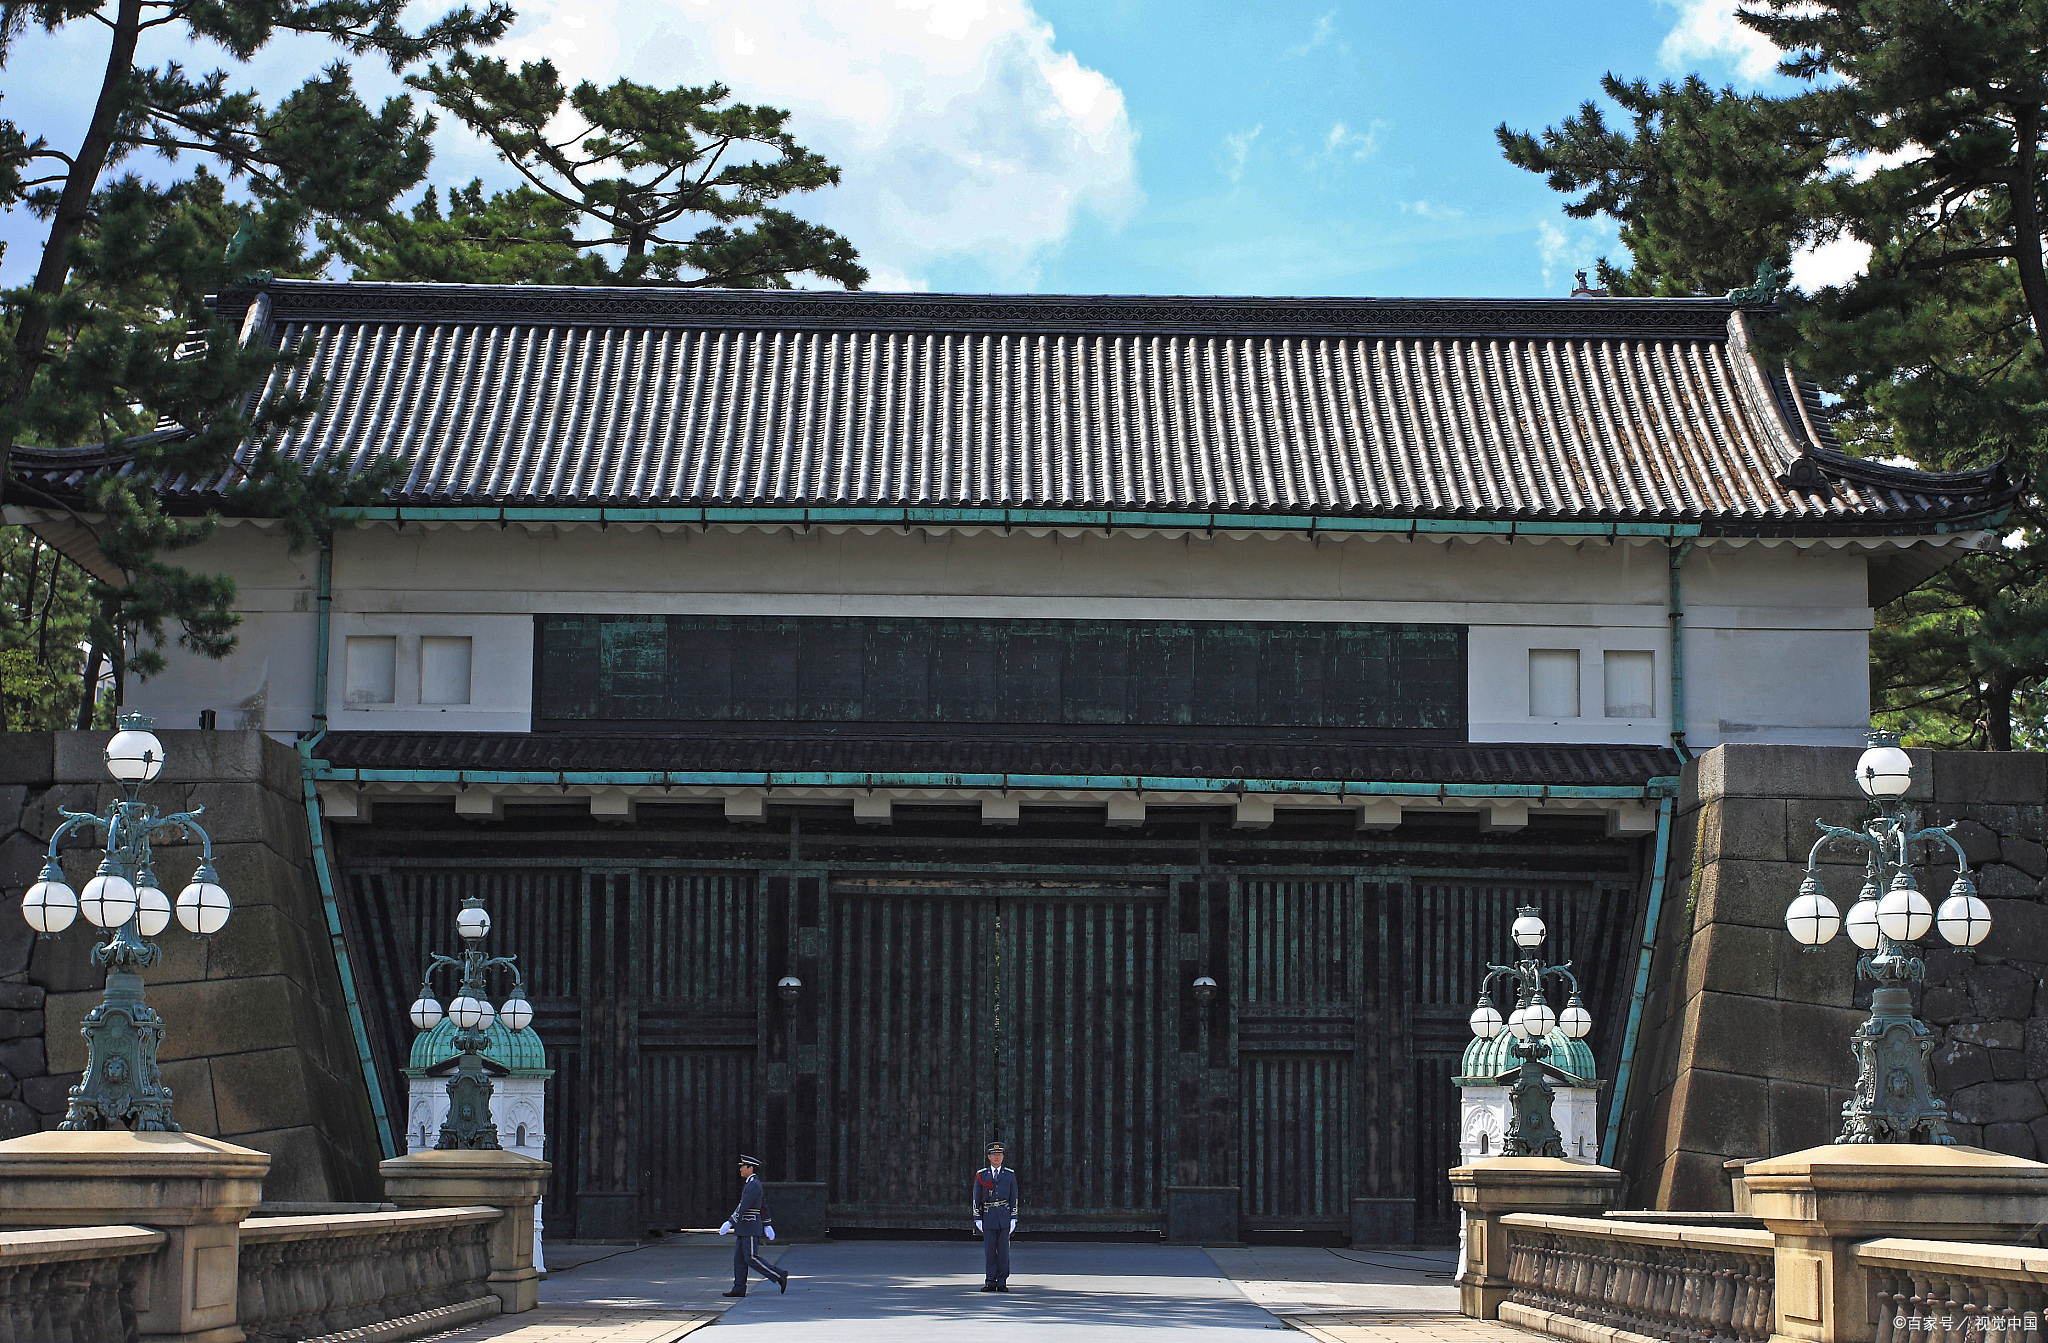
{"x": 203, "y": 906}
{"x": 50, "y": 906}
{"x": 134, "y": 755}
{"x": 1904, "y": 914}
{"x": 1575, "y": 1021}
{"x": 108, "y": 900}
{"x": 1884, "y": 770}
{"x": 1486, "y": 1022}
{"x": 1528, "y": 931}
{"x": 425, "y": 1012}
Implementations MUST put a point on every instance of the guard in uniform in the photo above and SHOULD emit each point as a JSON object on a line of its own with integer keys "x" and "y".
{"x": 995, "y": 1217}
{"x": 750, "y": 1222}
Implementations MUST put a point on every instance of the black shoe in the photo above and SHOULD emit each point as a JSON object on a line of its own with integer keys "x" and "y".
{"x": 732, "y": 1293}
{"x": 988, "y": 1287}
{"x": 785, "y": 1282}
{"x": 1002, "y": 1286}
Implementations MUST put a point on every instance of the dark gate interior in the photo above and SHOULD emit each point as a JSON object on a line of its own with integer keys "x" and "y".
{"x": 1032, "y": 983}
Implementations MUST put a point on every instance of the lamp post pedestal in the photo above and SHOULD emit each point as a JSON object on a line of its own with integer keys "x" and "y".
{"x": 1820, "y": 1202}
{"x": 1486, "y": 1191}
{"x": 197, "y": 1191}
{"x": 481, "y": 1177}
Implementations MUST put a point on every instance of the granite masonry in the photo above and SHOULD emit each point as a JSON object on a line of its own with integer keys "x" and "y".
{"x": 1744, "y": 1050}
{"x": 257, "y": 1047}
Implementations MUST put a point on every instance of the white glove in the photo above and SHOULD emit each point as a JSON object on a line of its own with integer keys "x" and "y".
{"x": 1014, "y": 1226}
{"x": 977, "y": 1226}
{"x": 769, "y": 1232}
{"x": 725, "y": 1230}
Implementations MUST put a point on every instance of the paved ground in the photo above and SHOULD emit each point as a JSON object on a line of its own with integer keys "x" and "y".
{"x": 892, "y": 1290}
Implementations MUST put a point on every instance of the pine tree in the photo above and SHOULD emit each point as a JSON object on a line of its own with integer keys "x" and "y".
{"x": 1915, "y": 127}
{"x": 114, "y": 342}
{"x": 679, "y": 183}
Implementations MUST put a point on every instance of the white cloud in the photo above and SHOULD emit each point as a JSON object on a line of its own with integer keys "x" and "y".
{"x": 1708, "y": 30}
{"x": 1576, "y": 245}
{"x": 1236, "y": 151}
{"x": 1827, "y": 263}
{"x": 1323, "y": 33}
{"x": 963, "y": 131}
{"x": 1431, "y": 210}
{"x": 1342, "y": 142}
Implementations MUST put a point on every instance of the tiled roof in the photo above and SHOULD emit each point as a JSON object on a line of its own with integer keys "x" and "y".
{"x": 865, "y": 752}
{"x": 1645, "y": 410}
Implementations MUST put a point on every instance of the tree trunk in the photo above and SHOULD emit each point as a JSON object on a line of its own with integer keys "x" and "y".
{"x": 2026, "y": 216}
{"x": 1998, "y": 696}
{"x": 90, "y": 700}
{"x": 74, "y": 207}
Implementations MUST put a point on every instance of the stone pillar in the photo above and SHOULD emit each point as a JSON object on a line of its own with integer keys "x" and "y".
{"x": 472, "y": 1179}
{"x": 1818, "y": 1203}
{"x": 195, "y": 1190}
{"x": 1489, "y": 1190}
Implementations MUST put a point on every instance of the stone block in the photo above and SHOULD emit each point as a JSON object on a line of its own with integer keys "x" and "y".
{"x": 191, "y": 1084}
{"x": 40, "y": 814}
{"x": 49, "y": 1094}
{"x": 25, "y": 1058}
{"x": 1695, "y": 1182}
{"x": 228, "y": 1016}
{"x": 17, "y": 941}
{"x": 195, "y": 756}
{"x": 16, "y": 1119}
{"x": 263, "y": 941}
{"x": 1991, "y": 1034}
{"x": 1757, "y": 1037}
{"x": 2039, "y": 1128}
{"x": 2024, "y": 854}
{"x": 1732, "y": 958}
{"x": 1998, "y": 1103}
{"x": 1723, "y": 1112}
{"x": 265, "y": 1089}
{"x": 1783, "y": 771}
{"x": 2001, "y": 991}
{"x": 302, "y": 1167}
{"x": 1979, "y": 841}
{"x": 21, "y": 860}
{"x": 2019, "y": 930}
{"x": 500, "y": 1180}
{"x": 1944, "y": 1006}
{"x": 1745, "y": 827}
{"x": 27, "y": 758}
{"x": 1748, "y": 892}
{"x": 1802, "y": 1115}
{"x": 2008, "y": 1064}
{"x": 1999, "y": 882}
{"x": 1823, "y": 975}
{"x": 1990, "y": 776}
{"x": 21, "y": 997}
{"x": 1958, "y": 1065}
{"x": 2036, "y": 1046}
{"x": 15, "y": 1024}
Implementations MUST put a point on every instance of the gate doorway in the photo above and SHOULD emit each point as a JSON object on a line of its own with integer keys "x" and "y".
{"x": 963, "y": 1010}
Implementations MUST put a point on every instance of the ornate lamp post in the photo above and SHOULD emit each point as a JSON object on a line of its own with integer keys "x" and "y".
{"x": 469, "y": 1125}
{"x": 1531, "y": 1130}
{"x": 121, "y": 1087}
{"x": 1894, "y": 1099}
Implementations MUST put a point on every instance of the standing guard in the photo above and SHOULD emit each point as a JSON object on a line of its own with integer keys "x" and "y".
{"x": 995, "y": 1217}
{"x": 750, "y": 1221}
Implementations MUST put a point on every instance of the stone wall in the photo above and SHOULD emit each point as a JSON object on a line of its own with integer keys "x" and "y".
{"x": 1744, "y": 1048}
{"x": 257, "y": 1047}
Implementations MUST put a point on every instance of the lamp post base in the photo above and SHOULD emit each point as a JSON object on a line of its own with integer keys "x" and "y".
{"x": 1893, "y": 1101}
{"x": 121, "y": 1087}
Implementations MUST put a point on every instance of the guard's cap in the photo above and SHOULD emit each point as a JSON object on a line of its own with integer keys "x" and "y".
{"x": 995, "y": 1147}
{"x": 753, "y": 1161}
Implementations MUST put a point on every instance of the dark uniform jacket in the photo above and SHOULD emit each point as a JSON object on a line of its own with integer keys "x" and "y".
{"x": 995, "y": 1191}
{"x": 752, "y": 1213}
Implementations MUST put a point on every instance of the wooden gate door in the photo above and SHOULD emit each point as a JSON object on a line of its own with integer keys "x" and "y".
{"x": 964, "y": 1010}
{"x": 1087, "y": 1017}
{"x": 1299, "y": 988}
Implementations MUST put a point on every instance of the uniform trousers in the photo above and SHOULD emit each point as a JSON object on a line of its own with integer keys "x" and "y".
{"x": 746, "y": 1253}
{"x": 995, "y": 1243}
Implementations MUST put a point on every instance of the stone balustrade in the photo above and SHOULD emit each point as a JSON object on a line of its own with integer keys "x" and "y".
{"x": 303, "y": 1277}
{"x": 1928, "y": 1291}
{"x": 75, "y": 1285}
{"x": 1681, "y": 1284}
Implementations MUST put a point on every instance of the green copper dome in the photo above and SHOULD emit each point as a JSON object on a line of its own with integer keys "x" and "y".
{"x": 522, "y": 1053}
{"x": 1488, "y": 1059}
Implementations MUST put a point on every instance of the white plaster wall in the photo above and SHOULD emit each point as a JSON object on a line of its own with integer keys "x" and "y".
{"x": 1483, "y": 1112}
{"x": 1776, "y": 637}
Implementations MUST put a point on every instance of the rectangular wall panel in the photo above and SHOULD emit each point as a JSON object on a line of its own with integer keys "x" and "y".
{"x": 1296, "y": 1115}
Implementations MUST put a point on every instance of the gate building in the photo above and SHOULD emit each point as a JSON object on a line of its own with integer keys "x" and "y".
{"x": 1121, "y": 727}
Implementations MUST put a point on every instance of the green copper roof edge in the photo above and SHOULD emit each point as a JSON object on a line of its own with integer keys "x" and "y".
{"x": 1148, "y": 783}
{"x": 1025, "y": 517}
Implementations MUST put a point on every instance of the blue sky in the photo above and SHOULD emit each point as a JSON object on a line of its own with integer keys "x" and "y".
{"x": 1112, "y": 146}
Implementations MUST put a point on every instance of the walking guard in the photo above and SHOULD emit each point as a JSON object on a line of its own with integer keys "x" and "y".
{"x": 995, "y": 1217}
{"x": 750, "y": 1221}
